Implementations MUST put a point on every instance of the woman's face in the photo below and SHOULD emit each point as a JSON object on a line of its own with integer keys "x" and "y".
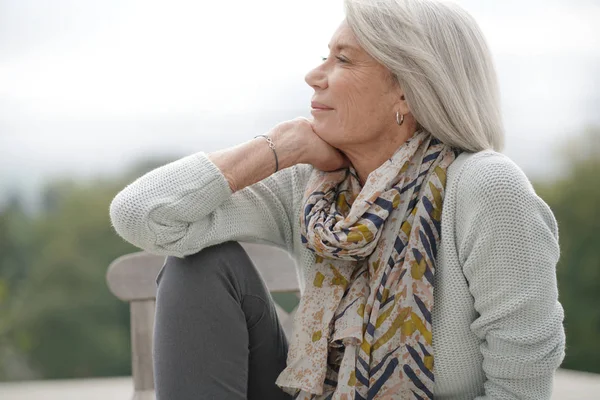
{"x": 359, "y": 91}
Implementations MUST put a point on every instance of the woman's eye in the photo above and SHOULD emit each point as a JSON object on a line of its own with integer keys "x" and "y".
{"x": 339, "y": 58}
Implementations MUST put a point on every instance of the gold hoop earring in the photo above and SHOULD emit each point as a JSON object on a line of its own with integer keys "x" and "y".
{"x": 399, "y": 118}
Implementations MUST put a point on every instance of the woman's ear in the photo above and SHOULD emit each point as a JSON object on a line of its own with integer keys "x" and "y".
{"x": 402, "y": 105}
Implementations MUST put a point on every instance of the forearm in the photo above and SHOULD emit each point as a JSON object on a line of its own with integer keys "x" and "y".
{"x": 253, "y": 160}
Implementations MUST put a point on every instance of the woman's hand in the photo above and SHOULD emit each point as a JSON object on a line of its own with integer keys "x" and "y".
{"x": 298, "y": 134}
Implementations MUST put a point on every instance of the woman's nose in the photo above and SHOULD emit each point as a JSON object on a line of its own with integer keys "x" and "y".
{"x": 316, "y": 78}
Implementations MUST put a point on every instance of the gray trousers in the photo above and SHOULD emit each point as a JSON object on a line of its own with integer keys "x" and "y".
{"x": 216, "y": 333}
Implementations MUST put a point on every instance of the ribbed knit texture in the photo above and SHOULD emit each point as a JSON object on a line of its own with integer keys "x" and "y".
{"x": 497, "y": 322}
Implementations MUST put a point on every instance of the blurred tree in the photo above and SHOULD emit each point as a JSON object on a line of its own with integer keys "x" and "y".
{"x": 62, "y": 316}
{"x": 575, "y": 201}
{"x": 15, "y": 259}
{"x": 15, "y": 235}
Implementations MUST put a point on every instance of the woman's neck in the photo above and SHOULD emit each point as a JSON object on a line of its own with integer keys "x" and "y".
{"x": 367, "y": 157}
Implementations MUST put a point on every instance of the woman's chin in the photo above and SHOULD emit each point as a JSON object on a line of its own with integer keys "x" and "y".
{"x": 327, "y": 135}
{"x": 320, "y": 129}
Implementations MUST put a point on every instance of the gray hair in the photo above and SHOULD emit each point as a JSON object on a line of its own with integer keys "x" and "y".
{"x": 439, "y": 57}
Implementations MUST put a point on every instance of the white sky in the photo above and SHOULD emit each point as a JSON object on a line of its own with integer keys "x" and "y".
{"x": 104, "y": 58}
{"x": 64, "y": 62}
{"x": 166, "y": 57}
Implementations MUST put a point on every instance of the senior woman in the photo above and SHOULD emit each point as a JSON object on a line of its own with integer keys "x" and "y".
{"x": 393, "y": 189}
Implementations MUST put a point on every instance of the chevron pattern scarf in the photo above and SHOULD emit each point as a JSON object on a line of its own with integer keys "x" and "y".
{"x": 363, "y": 328}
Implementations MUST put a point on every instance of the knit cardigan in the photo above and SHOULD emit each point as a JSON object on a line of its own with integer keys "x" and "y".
{"x": 497, "y": 322}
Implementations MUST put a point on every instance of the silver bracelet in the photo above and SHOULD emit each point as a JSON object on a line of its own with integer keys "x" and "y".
{"x": 272, "y": 146}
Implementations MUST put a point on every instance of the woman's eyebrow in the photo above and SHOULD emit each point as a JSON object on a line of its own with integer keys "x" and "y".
{"x": 341, "y": 46}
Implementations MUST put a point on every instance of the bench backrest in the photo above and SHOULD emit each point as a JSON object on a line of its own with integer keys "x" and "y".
{"x": 132, "y": 278}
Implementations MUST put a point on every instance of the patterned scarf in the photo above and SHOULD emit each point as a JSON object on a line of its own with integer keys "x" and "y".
{"x": 363, "y": 326}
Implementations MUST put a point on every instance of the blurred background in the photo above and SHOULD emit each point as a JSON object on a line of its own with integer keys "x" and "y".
{"x": 93, "y": 94}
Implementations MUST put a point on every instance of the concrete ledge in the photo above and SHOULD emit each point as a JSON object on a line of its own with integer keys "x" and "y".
{"x": 568, "y": 385}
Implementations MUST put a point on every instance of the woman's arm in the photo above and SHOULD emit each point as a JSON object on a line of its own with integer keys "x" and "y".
{"x": 253, "y": 161}
{"x": 202, "y": 200}
{"x": 508, "y": 246}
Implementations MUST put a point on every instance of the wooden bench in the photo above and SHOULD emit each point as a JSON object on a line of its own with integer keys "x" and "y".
{"x": 132, "y": 278}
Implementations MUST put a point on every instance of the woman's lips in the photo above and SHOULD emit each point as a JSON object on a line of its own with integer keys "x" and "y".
{"x": 319, "y": 106}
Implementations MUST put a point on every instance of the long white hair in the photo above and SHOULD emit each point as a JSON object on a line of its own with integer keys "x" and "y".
{"x": 441, "y": 60}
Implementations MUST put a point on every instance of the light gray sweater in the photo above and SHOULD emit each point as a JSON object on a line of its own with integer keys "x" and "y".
{"x": 498, "y": 325}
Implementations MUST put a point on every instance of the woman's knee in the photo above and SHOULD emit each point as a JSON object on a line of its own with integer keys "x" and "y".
{"x": 230, "y": 251}
{"x": 205, "y": 266}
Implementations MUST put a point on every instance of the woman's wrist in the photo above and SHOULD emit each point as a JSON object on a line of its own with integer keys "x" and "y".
{"x": 289, "y": 147}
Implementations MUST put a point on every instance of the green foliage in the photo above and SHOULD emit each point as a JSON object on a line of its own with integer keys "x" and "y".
{"x": 63, "y": 316}
{"x": 575, "y": 201}
{"x": 57, "y": 316}
{"x": 15, "y": 260}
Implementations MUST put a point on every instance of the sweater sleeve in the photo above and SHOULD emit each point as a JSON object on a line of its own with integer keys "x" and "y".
{"x": 507, "y": 239}
{"x": 184, "y": 206}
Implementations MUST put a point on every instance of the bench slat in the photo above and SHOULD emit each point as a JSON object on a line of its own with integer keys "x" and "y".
{"x": 133, "y": 276}
{"x": 275, "y": 265}
{"x": 142, "y": 324}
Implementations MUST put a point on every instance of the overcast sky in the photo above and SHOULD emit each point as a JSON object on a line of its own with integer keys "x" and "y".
{"x": 87, "y": 85}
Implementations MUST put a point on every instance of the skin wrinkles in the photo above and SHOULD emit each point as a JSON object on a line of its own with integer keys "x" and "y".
{"x": 363, "y": 123}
